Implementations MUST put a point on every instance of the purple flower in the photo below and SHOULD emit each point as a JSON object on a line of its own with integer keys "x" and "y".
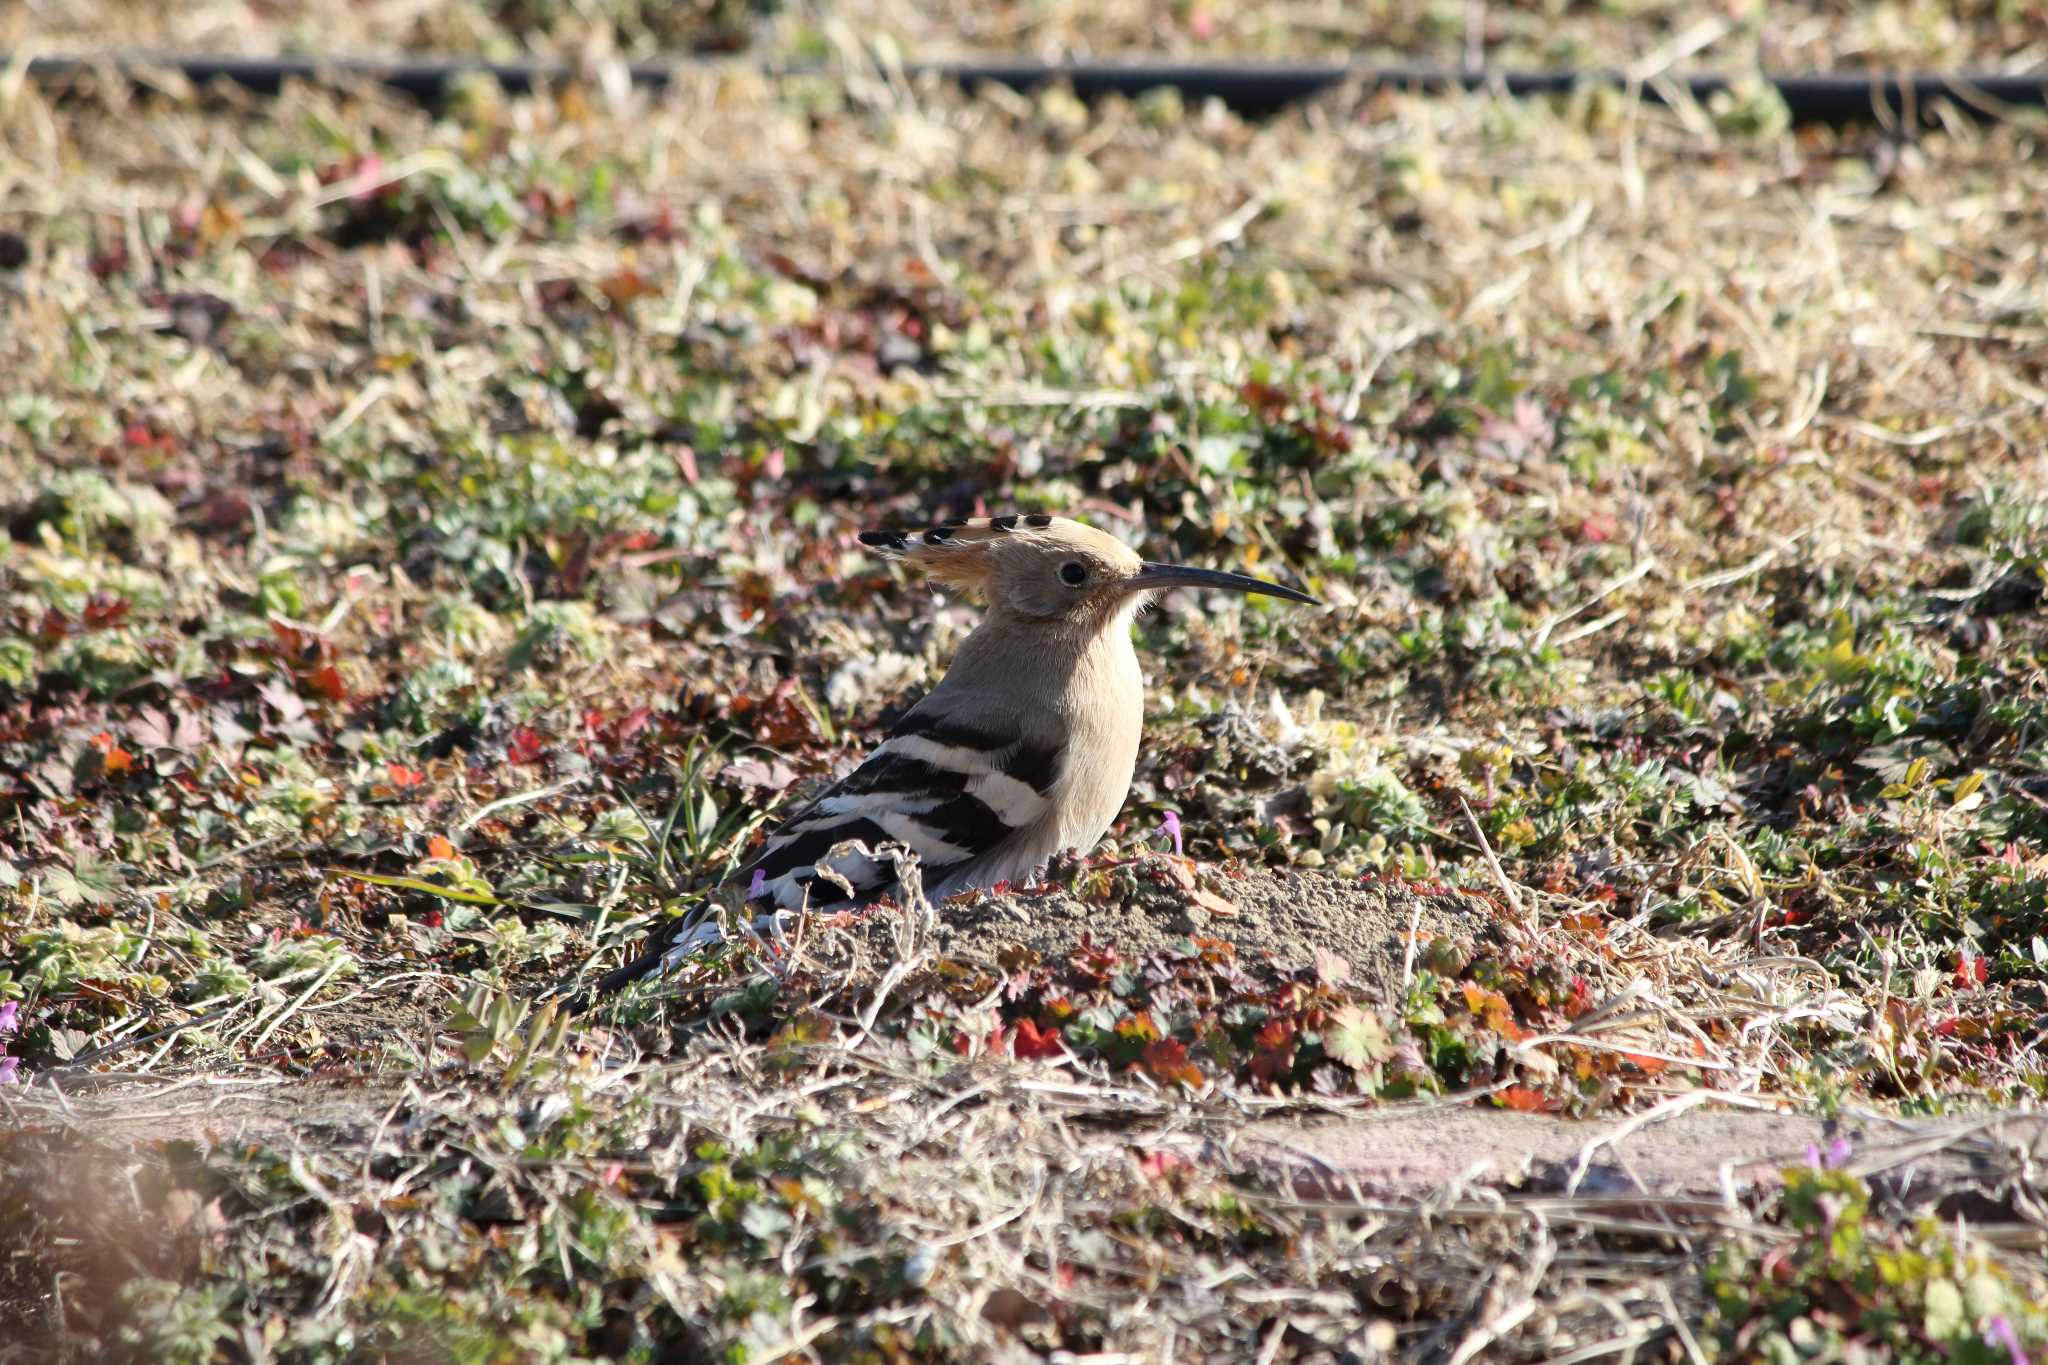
{"x": 10, "y": 1017}
{"x": 10, "y": 1071}
{"x": 1836, "y": 1156}
{"x": 1169, "y": 825}
{"x": 2000, "y": 1331}
{"x": 758, "y": 887}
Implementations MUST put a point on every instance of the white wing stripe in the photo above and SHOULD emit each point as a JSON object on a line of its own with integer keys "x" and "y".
{"x": 873, "y": 804}
{"x": 931, "y": 849}
{"x": 952, "y": 757}
{"x": 1015, "y": 803}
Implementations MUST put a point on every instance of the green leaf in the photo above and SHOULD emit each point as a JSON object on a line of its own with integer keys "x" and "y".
{"x": 446, "y": 893}
{"x": 1945, "y": 1319}
{"x": 765, "y": 1222}
{"x": 87, "y": 882}
{"x": 1357, "y": 1039}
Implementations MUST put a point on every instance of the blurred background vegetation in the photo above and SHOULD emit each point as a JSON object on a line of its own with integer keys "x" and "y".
{"x": 1734, "y": 35}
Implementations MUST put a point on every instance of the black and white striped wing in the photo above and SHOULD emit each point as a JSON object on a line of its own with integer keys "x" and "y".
{"x": 955, "y": 793}
{"x": 969, "y": 801}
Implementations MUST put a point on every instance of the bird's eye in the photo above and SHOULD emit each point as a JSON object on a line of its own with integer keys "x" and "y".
{"x": 1073, "y": 573}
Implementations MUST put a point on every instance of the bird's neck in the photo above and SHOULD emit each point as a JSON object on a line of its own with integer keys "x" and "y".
{"x": 1077, "y": 692}
{"x": 1073, "y": 637}
{"x": 1061, "y": 661}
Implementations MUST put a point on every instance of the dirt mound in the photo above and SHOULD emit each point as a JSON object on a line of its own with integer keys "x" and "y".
{"x": 1156, "y": 902}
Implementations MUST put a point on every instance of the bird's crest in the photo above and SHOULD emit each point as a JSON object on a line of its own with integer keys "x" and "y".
{"x": 964, "y": 554}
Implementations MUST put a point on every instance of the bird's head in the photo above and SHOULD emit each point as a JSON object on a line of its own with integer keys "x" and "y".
{"x": 1046, "y": 568}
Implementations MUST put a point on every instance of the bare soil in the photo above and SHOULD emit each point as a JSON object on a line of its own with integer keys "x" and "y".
{"x": 1698, "y": 1152}
{"x": 1288, "y": 917}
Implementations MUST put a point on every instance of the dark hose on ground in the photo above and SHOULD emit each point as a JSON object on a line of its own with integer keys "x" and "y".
{"x": 1251, "y": 89}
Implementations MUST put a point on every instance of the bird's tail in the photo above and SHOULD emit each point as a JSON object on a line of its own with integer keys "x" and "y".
{"x": 676, "y": 941}
{"x": 646, "y": 964}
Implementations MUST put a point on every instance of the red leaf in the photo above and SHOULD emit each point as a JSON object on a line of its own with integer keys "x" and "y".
{"x": 326, "y": 680}
{"x": 1523, "y": 1100}
{"x": 1157, "y": 1165}
{"x": 635, "y": 721}
{"x": 1971, "y": 970}
{"x": 53, "y": 627}
{"x": 1166, "y": 1055}
{"x": 402, "y": 776}
{"x": 1033, "y": 1042}
{"x": 103, "y": 611}
{"x": 525, "y": 746}
{"x": 1275, "y": 1059}
{"x": 1277, "y": 1033}
{"x": 1168, "y": 1060}
{"x": 438, "y": 847}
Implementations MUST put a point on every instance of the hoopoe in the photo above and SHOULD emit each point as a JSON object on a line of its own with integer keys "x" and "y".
{"x": 1024, "y": 749}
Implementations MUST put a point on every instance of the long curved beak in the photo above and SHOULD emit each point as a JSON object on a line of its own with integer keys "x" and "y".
{"x": 1155, "y": 577}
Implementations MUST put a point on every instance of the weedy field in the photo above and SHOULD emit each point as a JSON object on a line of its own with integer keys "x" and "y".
{"x": 1796, "y": 35}
{"x": 1616, "y": 923}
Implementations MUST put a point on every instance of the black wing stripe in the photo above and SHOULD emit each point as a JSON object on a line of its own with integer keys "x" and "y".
{"x": 808, "y": 843}
{"x": 1028, "y": 763}
{"x": 887, "y": 772}
{"x": 1033, "y": 766}
{"x": 965, "y": 822}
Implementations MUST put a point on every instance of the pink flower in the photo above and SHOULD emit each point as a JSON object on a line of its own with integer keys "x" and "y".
{"x": 758, "y": 887}
{"x": 2000, "y": 1331}
{"x": 1169, "y": 826}
{"x": 1836, "y": 1156}
{"x": 10, "y": 1071}
{"x": 368, "y": 179}
{"x": 10, "y": 1017}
